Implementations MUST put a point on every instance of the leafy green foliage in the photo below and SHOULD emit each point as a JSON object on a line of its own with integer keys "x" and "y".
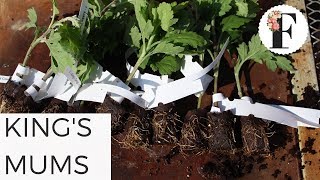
{"x": 165, "y": 15}
{"x": 154, "y": 35}
{"x": 54, "y": 8}
{"x": 232, "y": 24}
{"x": 166, "y": 65}
{"x": 225, "y": 6}
{"x": 33, "y": 18}
{"x": 167, "y": 48}
{"x": 63, "y": 50}
{"x": 107, "y": 30}
{"x": 186, "y": 39}
{"x": 136, "y": 36}
{"x": 68, "y": 47}
{"x": 219, "y": 19}
{"x": 243, "y": 9}
{"x": 257, "y": 52}
{"x": 253, "y": 8}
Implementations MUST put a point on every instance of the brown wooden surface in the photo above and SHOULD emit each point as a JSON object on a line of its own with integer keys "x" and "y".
{"x": 14, "y": 44}
{"x": 306, "y": 75}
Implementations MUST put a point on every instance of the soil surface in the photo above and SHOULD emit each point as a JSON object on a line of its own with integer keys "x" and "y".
{"x": 167, "y": 161}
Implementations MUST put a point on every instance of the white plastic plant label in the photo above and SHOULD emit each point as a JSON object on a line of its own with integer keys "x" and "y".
{"x": 4, "y": 79}
{"x": 100, "y": 90}
{"x": 83, "y": 13}
{"x": 29, "y": 75}
{"x": 290, "y": 116}
{"x": 72, "y": 77}
{"x": 189, "y": 67}
{"x": 147, "y": 81}
{"x": 19, "y": 74}
{"x": 108, "y": 78}
{"x": 69, "y": 92}
{"x": 33, "y": 76}
{"x": 178, "y": 89}
{"x": 312, "y": 115}
{"x": 34, "y": 89}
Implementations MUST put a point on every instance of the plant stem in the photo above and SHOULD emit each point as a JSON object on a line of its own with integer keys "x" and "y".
{"x": 142, "y": 57}
{"x": 236, "y": 76}
{"x": 150, "y": 42}
{"x": 48, "y": 74}
{"x": 199, "y": 100}
{"x": 37, "y": 39}
{"x": 28, "y": 54}
{"x": 104, "y": 10}
{"x": 237, "y": 69}
{"x": 201, "y": 94}
{"x": 215, "y": 74}
{"x": 136, "y": 66}
{"x": 216, "y": 78}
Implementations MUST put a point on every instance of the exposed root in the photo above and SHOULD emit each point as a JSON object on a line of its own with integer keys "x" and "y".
{"x": 166, "y": 125}
{"x": 194, "y": 133}
{"x": 254, "y": 136}
{"x": 138, "y": 133}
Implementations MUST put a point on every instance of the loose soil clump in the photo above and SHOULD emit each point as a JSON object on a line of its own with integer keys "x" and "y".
{"x": 10, "y": 92}
{"x": 25, "y": 105}
{"x": 118, "y": 114}
{"x": 224, "y": 167}
{"x": 311, "y": 99}
{"x": 221, "y": 132}
{"x": 13, "y": 100}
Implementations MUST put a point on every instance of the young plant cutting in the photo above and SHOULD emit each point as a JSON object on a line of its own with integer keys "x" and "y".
{"x": 158, "y": 68}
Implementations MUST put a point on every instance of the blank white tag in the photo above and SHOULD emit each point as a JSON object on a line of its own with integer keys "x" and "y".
{"x": 4, "y": 79}
{"x": 287, "y": 115}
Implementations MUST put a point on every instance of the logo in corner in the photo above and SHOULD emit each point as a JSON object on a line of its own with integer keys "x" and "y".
{"x": 283, "y": 29}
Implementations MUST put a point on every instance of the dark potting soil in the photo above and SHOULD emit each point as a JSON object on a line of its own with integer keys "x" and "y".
{"x": 10, "y": 92}
{"x": 25, "y": 105}
{"x": 56, "y": 106}
{"x": 221, "y": 137}
{"x": 160, "y": 125}
{"x": 118, "y": 114}
{"x": 163, "y": 160}
{"x": 311, "y": 99}
{"x": 13, "y": 100}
